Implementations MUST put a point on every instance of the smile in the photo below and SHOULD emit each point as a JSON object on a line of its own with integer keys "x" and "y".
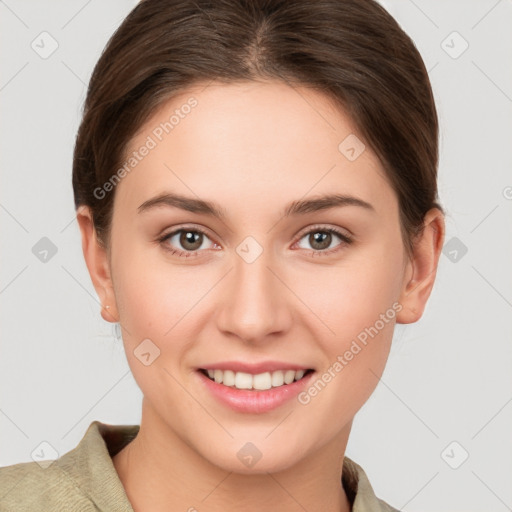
{"x": 257, "y": 382}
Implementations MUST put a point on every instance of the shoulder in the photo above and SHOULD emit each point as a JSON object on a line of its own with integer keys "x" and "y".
{"x": 29, "y": 486}
{"x": 360, "y": 491}
{"x": 83, "y": 479}
{"x": 385, "y": 507}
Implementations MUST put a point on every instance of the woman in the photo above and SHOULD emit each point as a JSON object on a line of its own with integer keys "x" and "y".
{"x": 255, "y": 185}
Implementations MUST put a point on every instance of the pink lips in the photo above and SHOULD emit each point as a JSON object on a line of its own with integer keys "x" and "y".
{"x": 254, "y": 401}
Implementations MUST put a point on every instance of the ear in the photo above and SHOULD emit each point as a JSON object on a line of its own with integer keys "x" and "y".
{"x": 421, "y": 268}
{"x": 97, "y": 261}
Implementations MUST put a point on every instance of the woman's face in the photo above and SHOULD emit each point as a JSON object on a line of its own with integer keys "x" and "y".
{"x": 256, "y": 290}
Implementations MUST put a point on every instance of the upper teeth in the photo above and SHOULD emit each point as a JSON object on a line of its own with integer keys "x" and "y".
{"x": 261, "y": 381}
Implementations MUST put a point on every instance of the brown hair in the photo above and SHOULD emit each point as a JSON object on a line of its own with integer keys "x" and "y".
{"x": 353, "y": 51}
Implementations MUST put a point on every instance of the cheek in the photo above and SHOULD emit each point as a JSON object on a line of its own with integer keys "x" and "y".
{"x": 358, "y": 309}
{"x": 153, "y": 294}
{"x": 153, "y": 303}
{"x": 351, "y": 296}
{"x": 356, "y": 302}
{"x": 163, "y": 302}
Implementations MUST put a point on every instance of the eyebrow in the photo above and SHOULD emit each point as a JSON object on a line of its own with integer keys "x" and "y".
{"x": 299, "y": 207}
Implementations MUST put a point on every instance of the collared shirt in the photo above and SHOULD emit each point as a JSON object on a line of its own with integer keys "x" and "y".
{"x": 85, "y": 479}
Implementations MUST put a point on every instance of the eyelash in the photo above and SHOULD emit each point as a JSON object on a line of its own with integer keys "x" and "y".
{"x": 346, "y": 240}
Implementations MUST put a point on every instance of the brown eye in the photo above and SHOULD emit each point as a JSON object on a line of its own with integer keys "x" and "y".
{"x": 321, "y": 240}
{"x": 186, "y": 242}
{"x": 190, "y": 240}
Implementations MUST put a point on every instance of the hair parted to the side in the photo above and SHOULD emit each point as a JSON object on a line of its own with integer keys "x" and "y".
{"x": 353, "y": 51}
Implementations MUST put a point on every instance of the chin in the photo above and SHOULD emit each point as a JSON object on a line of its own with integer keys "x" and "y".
{"x": 248, "y": 458}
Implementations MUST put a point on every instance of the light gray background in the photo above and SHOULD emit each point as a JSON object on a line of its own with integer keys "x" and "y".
{"x": 448, "y": 376}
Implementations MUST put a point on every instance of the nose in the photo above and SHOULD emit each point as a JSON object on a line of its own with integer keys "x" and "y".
{"x": 255, "y": 303}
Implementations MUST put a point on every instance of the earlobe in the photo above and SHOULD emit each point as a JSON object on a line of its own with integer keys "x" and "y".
{"x": 96, "y": 259}
{"x": 422, "y": 268}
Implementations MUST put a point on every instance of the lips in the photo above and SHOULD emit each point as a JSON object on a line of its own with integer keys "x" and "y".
{"x": 249, "y": 391}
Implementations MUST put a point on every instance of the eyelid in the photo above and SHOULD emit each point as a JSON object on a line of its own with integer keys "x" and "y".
{"x": 343, "y": 232}
{"x": 191, "y": 227}
{"x": 307, "y": 230}
{"x": 346, "y": 239}
{"x": 166, "y": 236}
{"x": 345, "y": 236}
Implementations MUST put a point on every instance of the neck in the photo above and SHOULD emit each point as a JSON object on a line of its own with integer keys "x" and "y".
{"x": 186, "y": 481}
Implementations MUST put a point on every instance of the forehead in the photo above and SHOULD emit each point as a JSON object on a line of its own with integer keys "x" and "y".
{"x": 247, "y": 140}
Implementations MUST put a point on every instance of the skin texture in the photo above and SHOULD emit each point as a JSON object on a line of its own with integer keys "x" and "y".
{"x": 253, "y": 148}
